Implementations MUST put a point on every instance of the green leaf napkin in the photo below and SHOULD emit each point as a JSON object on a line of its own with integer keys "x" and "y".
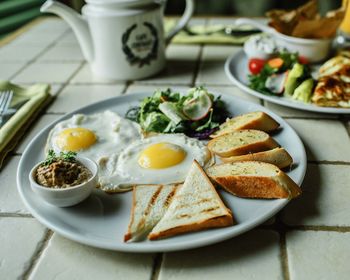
{"x": 29, "y": 102}
{"x": 208, "y": 34}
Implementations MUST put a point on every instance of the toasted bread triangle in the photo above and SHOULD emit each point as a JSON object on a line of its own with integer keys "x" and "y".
{"x": 196, "y": 205}
{"x": 148, "y": 206}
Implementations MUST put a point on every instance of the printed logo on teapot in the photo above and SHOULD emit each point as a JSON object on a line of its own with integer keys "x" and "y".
{"x": 140, "y": 44}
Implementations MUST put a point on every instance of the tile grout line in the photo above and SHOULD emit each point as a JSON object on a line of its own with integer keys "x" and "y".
{"x": 284, "y": 255}
{"x": 157, "y": 264}
{"x": 342, "y": 229}
{"x": 197, "y": 66}
{"x": 38, "y": 253}
{"x": 198, "y": 63}
{"x": 14, "y": 215}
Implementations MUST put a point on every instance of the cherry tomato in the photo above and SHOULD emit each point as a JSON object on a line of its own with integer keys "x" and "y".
{"x": 256, "y": 65}
{"x": 303, "y": 60}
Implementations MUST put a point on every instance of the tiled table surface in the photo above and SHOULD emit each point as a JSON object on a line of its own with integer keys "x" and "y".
{"x": 309, "y": 239}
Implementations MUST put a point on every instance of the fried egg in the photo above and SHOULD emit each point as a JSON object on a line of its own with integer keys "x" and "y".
{"x": 93, "y": 136}
{"x": 160, "y": 159}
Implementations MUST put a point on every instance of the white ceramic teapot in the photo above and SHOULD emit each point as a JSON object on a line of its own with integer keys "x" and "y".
{"x": 121, "y": 39}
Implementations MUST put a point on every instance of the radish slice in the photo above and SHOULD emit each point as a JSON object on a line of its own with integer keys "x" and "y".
{"x": 276, "y": 82}
{"x": 198, "y": 107}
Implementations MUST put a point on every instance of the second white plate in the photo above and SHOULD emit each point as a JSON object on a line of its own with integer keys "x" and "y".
{"x": 236, "y": 68}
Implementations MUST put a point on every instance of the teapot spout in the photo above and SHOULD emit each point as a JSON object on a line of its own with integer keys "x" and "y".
{"x": 76, "y": 22}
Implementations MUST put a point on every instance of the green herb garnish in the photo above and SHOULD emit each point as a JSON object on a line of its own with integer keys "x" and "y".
{"x": 65, "y": 156}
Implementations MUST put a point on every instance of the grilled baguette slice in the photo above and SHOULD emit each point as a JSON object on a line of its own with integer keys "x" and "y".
{"x": 195, "y": 206}
{"x": 253, "y": 120}
{"x": 149, "y": 204}
{"x": 278, "y": 156}
{"x": 253, "y": 179}
{"x": 241, "y": 142}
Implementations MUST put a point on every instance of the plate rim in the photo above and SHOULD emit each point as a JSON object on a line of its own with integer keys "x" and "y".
{"x": 133, "y": 247}
{"x": 290, "y": 103}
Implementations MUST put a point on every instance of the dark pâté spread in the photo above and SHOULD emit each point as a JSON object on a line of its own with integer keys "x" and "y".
{"x": 61, "y": 171}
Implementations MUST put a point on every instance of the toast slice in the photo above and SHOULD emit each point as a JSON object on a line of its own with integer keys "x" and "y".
{"x": 253, "y": 179}
{"x": 195, "y": 206}
{"x": 278, "y": 156}
{"x": 149, "y": 204}
{"x": 241, "y": 142}
{"x": 253, "y": 120}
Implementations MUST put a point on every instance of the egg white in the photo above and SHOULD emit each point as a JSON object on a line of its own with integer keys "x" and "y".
{"x": 120, "y": 172}
{"x": 113, "y": 133}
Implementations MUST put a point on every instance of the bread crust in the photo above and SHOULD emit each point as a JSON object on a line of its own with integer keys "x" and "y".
{"x": 278, "y": 156}
{"x": 215, "y": 222}
{"x": 278, "y": 186}
{"x": 128, "y": 235}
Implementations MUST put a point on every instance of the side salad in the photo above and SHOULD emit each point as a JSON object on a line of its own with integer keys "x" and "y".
{"x": 196, "y": 114}
{"x": 285, "y": 74}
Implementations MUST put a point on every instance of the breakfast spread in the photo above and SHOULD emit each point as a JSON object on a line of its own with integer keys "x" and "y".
{"x": 61, "y": 171}
{"x": 151, "y": 153}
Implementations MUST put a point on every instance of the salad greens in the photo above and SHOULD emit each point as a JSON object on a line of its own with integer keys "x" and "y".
{"x": 197, "y": 114}
{"x": 284, "y": 79}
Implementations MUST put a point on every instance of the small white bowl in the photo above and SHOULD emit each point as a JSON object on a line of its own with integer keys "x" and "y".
{"x": 315, "y": 50}
{"x": 66, "y": 196}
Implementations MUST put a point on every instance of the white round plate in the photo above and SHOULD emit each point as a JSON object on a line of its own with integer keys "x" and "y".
{"x": 102, "y": 219}
{"x": 236, "y": 68}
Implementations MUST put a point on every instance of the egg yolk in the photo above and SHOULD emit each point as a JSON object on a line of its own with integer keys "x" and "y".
{"x": 161, "y": 155}
{"x": 75, "y": 139}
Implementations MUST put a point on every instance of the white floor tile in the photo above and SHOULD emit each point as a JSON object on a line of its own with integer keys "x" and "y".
{"x": 284, "y": 111}
{"x": 19, "y": 239}
{"x": 85, "y": 76}
{"x": 47, "y": 73}
{"x": 136, "y": 88}
{"x": 183, "y": 52}
{"x": 218, "y": 53}
{"x": 212, "y": 73}
{"x": 75, "y": 96}
{"x": 65, "y": 259}
{"x": 254, "y": 255}
{"x": 10, "y": 201}
{"x": 63, "y": 53}
{"x": 17, "y": 53}
{"x": 8, "y": 69}
{"x": 323, "y": 139}
{"x": 68, "y": 39}
{"x": 235, "y": 91}
{"x": 318, "y": 255}
{"x": 324, "y": 200}
{"x": 42, "y": 122}
{"x": 176, "y": 72}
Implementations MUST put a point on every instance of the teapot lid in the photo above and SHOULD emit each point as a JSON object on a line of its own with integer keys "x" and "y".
{"x": 122, "y": 3}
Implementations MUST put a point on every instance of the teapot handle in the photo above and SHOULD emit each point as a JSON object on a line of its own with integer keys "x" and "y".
{"x": 182, "y": 21}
